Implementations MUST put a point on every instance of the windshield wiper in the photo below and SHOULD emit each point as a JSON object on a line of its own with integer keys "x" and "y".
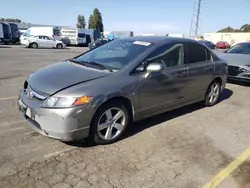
{"x": 77, "y": 62}
{"x": 100, "y": 65}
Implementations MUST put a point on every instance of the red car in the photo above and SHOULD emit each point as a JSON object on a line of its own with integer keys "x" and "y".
{"x": 222, "y": 45}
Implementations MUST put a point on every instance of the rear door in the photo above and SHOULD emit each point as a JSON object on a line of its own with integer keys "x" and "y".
{"x": 200, "y": 69}
{"x": 81, "y": 38}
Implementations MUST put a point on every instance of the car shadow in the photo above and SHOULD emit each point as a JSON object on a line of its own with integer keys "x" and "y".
{"x": 5, "y": 46}
{"x": 239, "y": 83}
{"x": 144, "y": 124}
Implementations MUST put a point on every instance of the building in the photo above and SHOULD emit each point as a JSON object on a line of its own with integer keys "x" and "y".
{"x": 25, "y": 26}
{"x": 231, "y": 38}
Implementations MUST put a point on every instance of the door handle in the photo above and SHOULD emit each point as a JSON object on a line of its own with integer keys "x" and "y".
{"x": 209, "y": 68}
{"x": 182, "y": 74}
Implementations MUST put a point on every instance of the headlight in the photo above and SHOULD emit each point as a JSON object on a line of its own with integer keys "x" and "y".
{"x": 65, "y": 102}
{"x": 244, "y": 68}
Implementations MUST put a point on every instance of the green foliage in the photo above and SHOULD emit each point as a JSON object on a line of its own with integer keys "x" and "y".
{"x": 81, "y": 23}
{"x": 91, "y": 24}
{"x": 243, "y": 28}
{"x": 95, "y": 21}
{"x": 15, "y": 20}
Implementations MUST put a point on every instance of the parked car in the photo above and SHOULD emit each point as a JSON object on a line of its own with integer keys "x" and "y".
{"x": 14, "y": 32}
{"x": 42, "y": 42}
{"x": 209, "y": 44}
{"x": 98, "y": 93}
{"x": 98, "y": 42}
{"x": 222, "y": 45}
{"x": 238, "y": 59}
{"x": 5, "y": 33}
{"x": 73, "y": 36}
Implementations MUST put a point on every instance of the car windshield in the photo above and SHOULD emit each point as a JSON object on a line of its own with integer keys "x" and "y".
{"x": 240, "y": 49}
{"x": 116, "y": 54}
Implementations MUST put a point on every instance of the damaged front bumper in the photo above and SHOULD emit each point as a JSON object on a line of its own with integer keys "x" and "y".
{"x": 66, "y": 124}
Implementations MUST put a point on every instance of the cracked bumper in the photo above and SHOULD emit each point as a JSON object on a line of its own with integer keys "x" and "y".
{"x": 67, "y": 124}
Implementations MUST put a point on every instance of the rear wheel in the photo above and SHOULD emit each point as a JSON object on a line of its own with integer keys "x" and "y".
{"x": 34, "y": 45}
{"x": 213, "y": 93}
{"x": 109, "y": 123}
{"x": 59, "y": 46}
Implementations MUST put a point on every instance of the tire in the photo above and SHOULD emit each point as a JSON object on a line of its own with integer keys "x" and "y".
{"x": 213, "y": 94}
{"x": 100, "y": 117}
{"x": 34, "y": 45}
{"x": 59, "y": 46}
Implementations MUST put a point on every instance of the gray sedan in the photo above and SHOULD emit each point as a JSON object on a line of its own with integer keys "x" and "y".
{"x": 100, "y": 92}
{"x": 238, "y": 59}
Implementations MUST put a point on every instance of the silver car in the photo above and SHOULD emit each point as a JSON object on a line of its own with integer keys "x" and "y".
{"x": 238, "y": 59}
{"x": 99, "y": 93}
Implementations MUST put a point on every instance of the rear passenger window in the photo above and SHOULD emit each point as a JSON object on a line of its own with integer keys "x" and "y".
{"x": 196, "y": 53}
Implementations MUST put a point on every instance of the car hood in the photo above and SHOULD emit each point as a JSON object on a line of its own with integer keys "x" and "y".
{"x": 235, "y": 59}
{"x": 62, "y": 75}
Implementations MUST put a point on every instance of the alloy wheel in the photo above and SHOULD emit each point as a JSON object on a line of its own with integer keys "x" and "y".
{"x": 111, "y": 123}
{"x": 214, "y": 93}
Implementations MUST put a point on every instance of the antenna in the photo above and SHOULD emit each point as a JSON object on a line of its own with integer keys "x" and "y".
{"x": 194, "y": 28}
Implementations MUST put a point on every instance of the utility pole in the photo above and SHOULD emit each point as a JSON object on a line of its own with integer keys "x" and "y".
{"x": 194, "y": 28}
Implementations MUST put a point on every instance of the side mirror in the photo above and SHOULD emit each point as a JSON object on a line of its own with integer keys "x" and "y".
{"x": 154, "y": 67}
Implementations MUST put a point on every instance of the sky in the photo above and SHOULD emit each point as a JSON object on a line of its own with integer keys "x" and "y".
{"x": 140, "y": 16}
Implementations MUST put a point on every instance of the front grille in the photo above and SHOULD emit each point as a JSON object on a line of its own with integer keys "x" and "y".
{"x": 234, "y": 70}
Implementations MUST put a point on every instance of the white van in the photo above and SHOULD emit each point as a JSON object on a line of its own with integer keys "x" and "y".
{"x": 73, "y": 36}
{"x": 53, "y": 32}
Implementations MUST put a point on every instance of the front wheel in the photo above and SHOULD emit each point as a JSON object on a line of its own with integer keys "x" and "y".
{"x": 213, "y": 94}
{"x": 59, "y": 46}
{"x": 109, "y": 123}
{"x": 34, "y": 45}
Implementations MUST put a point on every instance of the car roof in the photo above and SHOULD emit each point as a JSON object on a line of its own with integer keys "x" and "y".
{"x": 156, "y": 39}
{"x": 243, "y": 43}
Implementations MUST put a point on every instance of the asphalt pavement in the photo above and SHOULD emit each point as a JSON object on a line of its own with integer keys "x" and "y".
{"x": 185, "y": 148}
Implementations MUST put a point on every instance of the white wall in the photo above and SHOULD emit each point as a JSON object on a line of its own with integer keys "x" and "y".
{"x": 231, "y": 38}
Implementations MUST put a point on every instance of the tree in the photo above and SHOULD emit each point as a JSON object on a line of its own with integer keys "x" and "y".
{"x": 15, "y": 20}
{"x": 95, "y": 20}
{"x": 226, "y": 30}
{"x": 91, "y": 24}
{"x": 245, "y": 28}
{"x": 2, "y": 19}
{"x": 81, "y": 23}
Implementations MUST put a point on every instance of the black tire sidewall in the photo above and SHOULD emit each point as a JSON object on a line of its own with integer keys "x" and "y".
{"x": 34, "y": 45}
{"x": 94, "y": 136}
{"x": 207, "y": 102}
{"x": 59, "y": 46}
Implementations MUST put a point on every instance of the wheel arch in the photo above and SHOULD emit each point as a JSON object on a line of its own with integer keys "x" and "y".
{"x": 119, "y": 98}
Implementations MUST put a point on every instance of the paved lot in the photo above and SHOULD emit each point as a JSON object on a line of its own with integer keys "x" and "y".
{"x": 185, "y": 148}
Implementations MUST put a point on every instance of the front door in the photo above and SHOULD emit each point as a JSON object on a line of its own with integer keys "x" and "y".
{"x": 200, "y": 70}
{"x": 166, "y": 88}
{"x": 49, "y": 42}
